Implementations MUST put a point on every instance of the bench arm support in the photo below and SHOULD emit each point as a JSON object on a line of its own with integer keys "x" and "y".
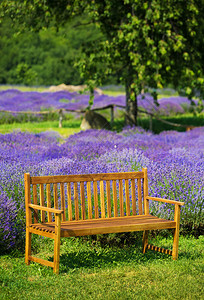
{"x": 44, "y": 208}
{"x": 165, "y": 200}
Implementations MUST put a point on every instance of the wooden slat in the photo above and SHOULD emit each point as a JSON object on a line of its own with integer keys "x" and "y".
{"x": 44, "y": 208}
{"x": 107, "y": 226}
{"x": 125, "y": 218}
{"x": 35, "y": 201}
{"x": 48, "y": 201}
{"x": 127, "y": 196}
{"x": 139, "y": 191}
{"x": 76, "y": 201}
{"x": 62, "y": 195}
{"x": 145, "y": 192}
{"x": 103, "y": 212}
{"x": 89, "y": 200}
{"x": 165, "y": 200}
{"x": 42, "y": 202}
{"x": 83, "y": 211}
{"x": 69, "y": 201}
{"x": 42, "y": 261}
{"x": 86, "y": 177}
{"x": 108, "y": 198}
{"x": 159, "y": 249}
{"x": 115, "y": 204}
{"x": 42, "y": 233}
{"x": 121, "y": 198}
{"x": 55, "y": 195}
{"x": 95, "y": 199}
{"x": 133, "y": 197}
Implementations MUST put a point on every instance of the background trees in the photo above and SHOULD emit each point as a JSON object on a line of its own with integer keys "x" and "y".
{"x": 147, "y": 44}
{"x": 46, "y": 57}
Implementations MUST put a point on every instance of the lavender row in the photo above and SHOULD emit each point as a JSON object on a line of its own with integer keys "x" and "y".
{"x": 175, "y": 163}
{"x": 15, "y": 100}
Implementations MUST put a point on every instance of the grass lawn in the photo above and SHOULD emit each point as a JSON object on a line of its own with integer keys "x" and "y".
{"x": 69, "y": 127}
{"x": 90, "y": 271}
{"x": 73, "y": 126}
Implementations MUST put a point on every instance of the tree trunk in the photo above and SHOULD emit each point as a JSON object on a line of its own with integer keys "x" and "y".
{"x": 131, "y": 107}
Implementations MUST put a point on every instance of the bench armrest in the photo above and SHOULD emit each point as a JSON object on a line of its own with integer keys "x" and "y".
{"x": 164, "y": 200}
{"x": 44, "y": 208}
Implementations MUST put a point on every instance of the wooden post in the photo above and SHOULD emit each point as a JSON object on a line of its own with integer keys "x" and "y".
{"x": 60, "y": 118}
{"x": 28, "y": 218}
{"x": 145, "y": 192}
{"x": 146, "y": 207}
{"x": 145, "y": 240}
{"x": 112, "y": 115}
{"x": 176, "y": 232}
{"x": 150, "y": 122}
{"x": 57, "y": 243}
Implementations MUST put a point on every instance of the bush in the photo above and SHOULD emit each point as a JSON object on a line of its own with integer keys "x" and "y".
{"x": 11, "y": 226}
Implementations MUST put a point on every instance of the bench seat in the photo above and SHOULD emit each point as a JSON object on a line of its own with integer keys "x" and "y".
{"x": 102, "y": 226}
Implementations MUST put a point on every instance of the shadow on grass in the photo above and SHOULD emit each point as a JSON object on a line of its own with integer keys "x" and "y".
{"x": 109, "y": 257}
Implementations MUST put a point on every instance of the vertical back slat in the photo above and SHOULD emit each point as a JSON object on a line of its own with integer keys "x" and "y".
{"x": 139, "y": 190}
{"x": 103, "y": 212}
{"x": 55, "y": 196}
{"x": 89, "y": 200}
{"x": 127, "y": 196}
{"x": 35, "y": 201}
{"x": 95, "y": 198}
{"x": 76, "y": 201}
{"x": 121, "y": 198}
{"x": 145, "y": 192}
{"x": 133, "y": 197}
{"x": 83, "y": 212}
{"x": 108, "y": 198}
{"x": 42, "y": 201}
{"x": 48, "y": 194}
{"x": 62, "y": 195}
{"x": 69, "y": 201}
{"x": 115, "y": 206}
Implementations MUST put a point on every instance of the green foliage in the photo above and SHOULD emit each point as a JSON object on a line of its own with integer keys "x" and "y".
{"x": 46, "y": 57}
{"x": 25, "y": 74}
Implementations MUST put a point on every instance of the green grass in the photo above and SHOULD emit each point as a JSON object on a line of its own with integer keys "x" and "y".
{"x": 69, "y": 127}
{"x": 24, "y": 88}
{"x": 89, "y": 271}
{"x": 73, "y": 126}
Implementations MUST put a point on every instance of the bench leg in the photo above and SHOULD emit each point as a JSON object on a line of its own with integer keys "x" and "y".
{"x": 176, "y": 232}
{"x": 145, "y": 240}
{"x": 57, "y": 244}
{"x": 27, "y": 247}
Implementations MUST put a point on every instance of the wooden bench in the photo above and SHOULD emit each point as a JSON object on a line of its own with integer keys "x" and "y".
{"x": 79, "y": 205}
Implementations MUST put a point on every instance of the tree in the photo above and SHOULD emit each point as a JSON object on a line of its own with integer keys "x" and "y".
{"x": 149, "y": 44}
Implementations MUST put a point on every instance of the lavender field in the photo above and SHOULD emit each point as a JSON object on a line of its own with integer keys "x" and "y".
{"x": 15, "y": 100}
{"x": 175, "y": 163}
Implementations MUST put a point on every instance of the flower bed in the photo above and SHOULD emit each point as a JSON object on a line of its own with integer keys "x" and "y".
{"x": 15, "y": 100}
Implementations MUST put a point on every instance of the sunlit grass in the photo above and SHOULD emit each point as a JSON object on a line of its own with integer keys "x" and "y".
{"x": 69, "y": 127}
{"x": 24, "y": 88}
{"x": 90, "y": 271}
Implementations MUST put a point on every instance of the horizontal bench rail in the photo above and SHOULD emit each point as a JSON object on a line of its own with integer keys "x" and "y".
{"x": 85, "y": 177}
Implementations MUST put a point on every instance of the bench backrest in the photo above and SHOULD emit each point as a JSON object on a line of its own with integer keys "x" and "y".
{"x": 89, "y": 196}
